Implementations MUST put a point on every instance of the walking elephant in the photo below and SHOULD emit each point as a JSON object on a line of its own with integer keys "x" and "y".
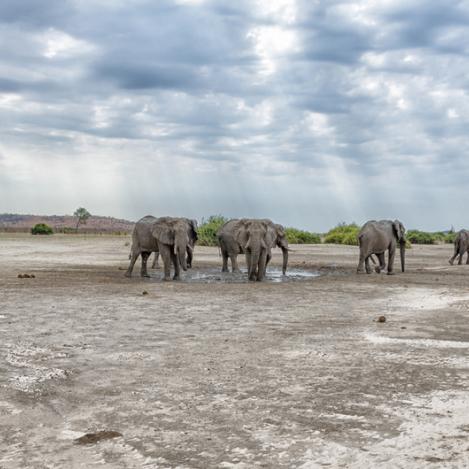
{"x": 255, "y": 238}
{"x": 376, "y": 237}
{"x": 461, "y": 245}
{"x": 171, "y": 237}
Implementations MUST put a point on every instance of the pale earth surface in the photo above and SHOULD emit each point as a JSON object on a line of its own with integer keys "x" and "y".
{"x": 227, "y": 374}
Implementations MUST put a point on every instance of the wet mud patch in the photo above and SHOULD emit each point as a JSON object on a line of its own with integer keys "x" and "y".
{"x": 214, "y": 275}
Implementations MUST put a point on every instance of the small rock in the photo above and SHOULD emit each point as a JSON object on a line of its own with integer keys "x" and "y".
{"x": 20, "y": 276}
{"x": 144, "y": 292}
{"x": 32, "y": 276}
{"x": 122, "y": 268}
{"x": 403, "y": 327}
{"x": 382, "y": 319}
{"x": 91, "y": 438}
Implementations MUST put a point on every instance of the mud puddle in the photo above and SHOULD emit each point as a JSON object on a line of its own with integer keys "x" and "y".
{"x": 214, "y": 275}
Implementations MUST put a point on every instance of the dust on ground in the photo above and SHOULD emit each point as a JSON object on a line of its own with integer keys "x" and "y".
{"x": 213, "y": 371}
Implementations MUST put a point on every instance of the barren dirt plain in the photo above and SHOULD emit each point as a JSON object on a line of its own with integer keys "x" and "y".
{"x": 216, "y": 372}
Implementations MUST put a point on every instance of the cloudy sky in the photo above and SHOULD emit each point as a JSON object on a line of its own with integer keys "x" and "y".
{"x": 310, "y": 112}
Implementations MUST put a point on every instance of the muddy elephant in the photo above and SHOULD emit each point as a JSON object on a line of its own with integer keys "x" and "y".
{"x": 377, "y": 237}
{"x": 255, "y": 238}
{"x": 171, "y": 237}
{"x": 461, "y": 245}
{"x": 189, "y": 251}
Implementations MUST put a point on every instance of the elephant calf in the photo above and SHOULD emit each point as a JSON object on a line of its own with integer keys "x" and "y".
{"x": 255, "y": 238}
{"x": 377, "y": 237}
{"x": 461, "y": 245}
{"x": 171, "y": 237}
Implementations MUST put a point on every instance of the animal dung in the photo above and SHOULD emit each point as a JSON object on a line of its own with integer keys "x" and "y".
{"x": 26, "y": 276}
{"x": 92, "y": 438}
{"x": 382, "y": 319}
{"x": 144, "y": 292}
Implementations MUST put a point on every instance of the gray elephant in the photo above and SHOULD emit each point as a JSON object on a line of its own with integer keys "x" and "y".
{"x": 190, "y": 248}
{"x": 171, "y": 237}
{"x": 255, "y": 238}
{"x": 461, "y": 245}
{"x": 376, "y": 237}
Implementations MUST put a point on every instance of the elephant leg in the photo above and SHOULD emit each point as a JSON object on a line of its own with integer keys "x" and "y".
{"x": 177, "y": 269}
{"x": 451, "y": 259}
{"x": 460, "y": 259}
{"x": 361, "y": 263}
{"x": 133, "y": 259}
{"x": 190, "y": 255}
{"x": 467, "y": 258}
{"x": 382, "y": 263}
{"x": 165, "y": 253}
{"x": 392, "y": 253}
{"x": 155, "y": 264}
{"x": 234, "y": 262}
{"x": 262, "y": 266}
{"x": 224, "y": 256}
{"x": 367, "y": 265}
{"x": 143, "y": 269}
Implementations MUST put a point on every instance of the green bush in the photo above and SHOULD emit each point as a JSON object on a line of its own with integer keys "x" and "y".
{"x": 420, "y": 237}
{"x": 449, "y": 237}
{"x": 41, "y": 229}
{"x": 295, "y": 236}
{"x": 343, "y": 234}
{"x": 207, "y": 232}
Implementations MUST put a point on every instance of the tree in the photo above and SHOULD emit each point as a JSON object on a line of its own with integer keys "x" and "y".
{"x": 82, "y": 216}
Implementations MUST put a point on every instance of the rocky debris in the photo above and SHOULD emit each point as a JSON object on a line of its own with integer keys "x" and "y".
{"x": 93, "y": 438}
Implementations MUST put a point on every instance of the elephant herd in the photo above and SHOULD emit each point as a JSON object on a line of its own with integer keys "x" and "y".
{"x": 174, "y": 239}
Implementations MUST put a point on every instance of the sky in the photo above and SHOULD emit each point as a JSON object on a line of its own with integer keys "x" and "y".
{"x": 307, "y": 112}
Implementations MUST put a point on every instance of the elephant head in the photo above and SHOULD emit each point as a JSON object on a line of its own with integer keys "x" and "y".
{"x": 399, "y": 232}
{"x": 173, "y": 232}
{"x": 251, "y": 237}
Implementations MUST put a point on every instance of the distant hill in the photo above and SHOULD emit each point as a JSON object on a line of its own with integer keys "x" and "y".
{"x": 14, "y": 222}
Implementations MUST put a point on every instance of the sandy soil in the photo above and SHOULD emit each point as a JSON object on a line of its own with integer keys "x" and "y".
{"x": 228, "y": 374}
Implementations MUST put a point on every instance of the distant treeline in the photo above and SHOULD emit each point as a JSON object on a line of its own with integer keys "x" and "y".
{"x": 343, "y": 233}
{"x": 67, "y": 230}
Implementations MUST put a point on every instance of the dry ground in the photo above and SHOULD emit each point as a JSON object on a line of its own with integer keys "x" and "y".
{"x": 230, "y": 375}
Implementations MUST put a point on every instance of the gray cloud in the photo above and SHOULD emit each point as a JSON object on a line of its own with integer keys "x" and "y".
{"x": 308, "y": 112}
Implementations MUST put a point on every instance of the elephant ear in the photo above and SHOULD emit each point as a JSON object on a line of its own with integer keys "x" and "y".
{"x": 241, "y": 234}
{"x": 398, "y": 229}
{"x": 164, "y": 233}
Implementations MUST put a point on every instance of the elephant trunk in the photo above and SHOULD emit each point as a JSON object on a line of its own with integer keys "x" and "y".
{"x": 402, "y": 248}
{"x": 285, "y": 260}
{"x": 181, "y": 252}
{"x": 252, "y": 268}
